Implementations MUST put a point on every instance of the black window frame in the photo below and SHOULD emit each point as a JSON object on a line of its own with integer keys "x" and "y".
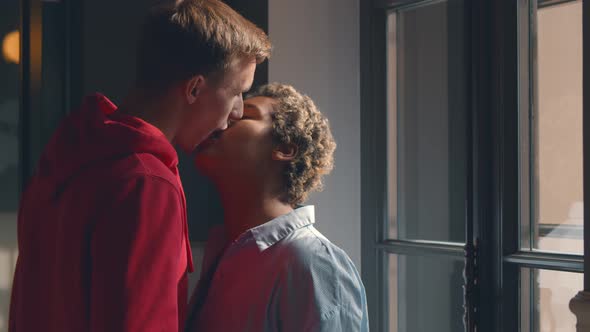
{"x": 493, "y": 178}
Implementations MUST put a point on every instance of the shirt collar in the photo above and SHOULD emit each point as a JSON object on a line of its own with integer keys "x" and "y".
{"x": 275, "y": 230}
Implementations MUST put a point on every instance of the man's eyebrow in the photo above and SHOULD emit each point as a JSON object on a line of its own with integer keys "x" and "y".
{"x": 250, "y": 105}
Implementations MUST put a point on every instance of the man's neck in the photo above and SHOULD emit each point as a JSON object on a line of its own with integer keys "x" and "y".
{"x": 157, "y": 111}
{"x": 243, "y": 212}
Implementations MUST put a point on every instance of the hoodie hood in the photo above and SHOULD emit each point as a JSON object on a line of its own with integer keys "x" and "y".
{"x": 97, "y": 133}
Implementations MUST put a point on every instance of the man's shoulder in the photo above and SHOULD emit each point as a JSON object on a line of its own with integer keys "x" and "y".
{"x": 318, "y": 268}
{"x": 146, "y": 164}
{"x": 309, "y": 250}
{"x": 135, "y": 166}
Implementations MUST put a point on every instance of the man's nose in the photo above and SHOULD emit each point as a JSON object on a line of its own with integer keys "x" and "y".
{"x": 237, "y": 113}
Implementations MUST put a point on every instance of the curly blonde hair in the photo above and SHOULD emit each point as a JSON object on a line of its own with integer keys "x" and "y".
{"x": 296, "y": 120}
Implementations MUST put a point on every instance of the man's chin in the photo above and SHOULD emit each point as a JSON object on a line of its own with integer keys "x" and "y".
{"x": 186, "y": 148}
{"x": 203, "y": 163}
{"x": 208, "y": 169}
{"x": 192, "y": 147}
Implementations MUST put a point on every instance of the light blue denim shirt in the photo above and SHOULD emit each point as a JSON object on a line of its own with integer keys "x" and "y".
{"x": 284, "y": 276}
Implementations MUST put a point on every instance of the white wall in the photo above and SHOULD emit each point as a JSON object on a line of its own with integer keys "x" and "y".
{"x": 316, "y": 49}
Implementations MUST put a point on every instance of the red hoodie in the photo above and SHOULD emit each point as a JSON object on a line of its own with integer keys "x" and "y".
{"x": 102, "y": 234}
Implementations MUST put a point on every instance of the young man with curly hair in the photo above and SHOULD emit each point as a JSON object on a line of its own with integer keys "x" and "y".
{"x": 102, "y": 229}
{"x": 268, "y": 268}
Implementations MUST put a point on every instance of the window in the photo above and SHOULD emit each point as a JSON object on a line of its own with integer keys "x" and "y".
{"x": 426, "y": 126}
{"x": 545, "y": 296}
{"x": 555, "y": 220}
{"x": 417, "y": 255}
{"x": 472, "y": 174}
{"x": 551, "y": 173}
{"x": 427, "y": 101}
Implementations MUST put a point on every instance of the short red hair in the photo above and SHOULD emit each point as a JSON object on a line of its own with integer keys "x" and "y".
{"x": 181, "y": 39}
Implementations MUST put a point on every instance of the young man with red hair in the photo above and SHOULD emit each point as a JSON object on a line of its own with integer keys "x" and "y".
{"x": 102, "y": 231}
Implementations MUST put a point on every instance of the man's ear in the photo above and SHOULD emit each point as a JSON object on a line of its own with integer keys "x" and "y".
{"x": 193, "y": 87}
{"x": 284, "y": 152}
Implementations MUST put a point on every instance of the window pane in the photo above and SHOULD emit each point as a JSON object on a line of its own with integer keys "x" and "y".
{"x": 556, "y": 132}
{"x": 9, "y": 174}
{"x": 427, "y": 103}
{"x": 545, "y": 297}
{"x": 425, "y": 294}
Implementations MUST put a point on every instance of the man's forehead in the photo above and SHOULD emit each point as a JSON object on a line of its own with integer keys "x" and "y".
{"x": 240, "y": 65}
{"x": 259, "y": 104}
{"x": 242, "y": 80}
